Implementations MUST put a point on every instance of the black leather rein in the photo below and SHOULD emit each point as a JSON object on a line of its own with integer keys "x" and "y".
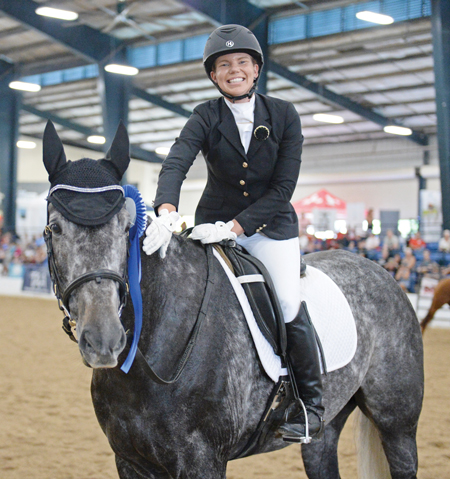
{"x": 194, "y": 333}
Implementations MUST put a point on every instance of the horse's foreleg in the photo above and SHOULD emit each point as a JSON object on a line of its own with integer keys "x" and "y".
{"x": 320, "y": 457}
{"x": 184, "y": 468}
{"x": 127, "y": 471}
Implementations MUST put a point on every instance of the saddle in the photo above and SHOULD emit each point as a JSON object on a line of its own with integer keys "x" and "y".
{"x": 260, "y": 292}
{"x": 261, "y": 295}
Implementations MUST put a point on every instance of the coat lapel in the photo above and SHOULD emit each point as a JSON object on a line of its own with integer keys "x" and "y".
{"x": 229, "y": 129}
{"x": 262, "y": 118}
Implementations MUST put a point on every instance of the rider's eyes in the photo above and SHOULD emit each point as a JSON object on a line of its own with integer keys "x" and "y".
{"x": 56, "y": 229}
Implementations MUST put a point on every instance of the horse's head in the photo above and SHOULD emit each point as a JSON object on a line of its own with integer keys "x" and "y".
{"x": 87, "y": 238}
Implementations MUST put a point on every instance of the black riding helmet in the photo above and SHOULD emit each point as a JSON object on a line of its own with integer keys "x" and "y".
{"x": 232, "y": 39}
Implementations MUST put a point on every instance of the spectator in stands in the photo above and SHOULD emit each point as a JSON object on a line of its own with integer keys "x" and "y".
{"x": 391, "y": 241}
{"x": 303, "y": 241}
{"x": 392, "y": 264}
{"x": 369, "y": 219}
{"x": 8, "y": 247}
{"x": 444, "y": 242}
{"x": 417, "y": 243}
{"x": 405, "y": 270}
{"x": 372, "y": 241}
{"x": 391, "y": 245}
{"x": 427, "y": 267}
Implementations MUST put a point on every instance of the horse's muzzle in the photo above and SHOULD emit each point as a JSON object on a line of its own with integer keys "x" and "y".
{"x": 100, "y": 350}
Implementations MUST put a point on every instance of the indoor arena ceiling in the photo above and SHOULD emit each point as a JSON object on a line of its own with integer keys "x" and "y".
{"x": 365, "y": 75}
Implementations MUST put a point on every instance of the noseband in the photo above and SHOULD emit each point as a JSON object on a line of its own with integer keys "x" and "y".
{"x": 63, "y": 295}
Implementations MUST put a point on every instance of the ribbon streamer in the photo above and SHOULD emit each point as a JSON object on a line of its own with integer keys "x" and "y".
{"x": 134, "y": 269}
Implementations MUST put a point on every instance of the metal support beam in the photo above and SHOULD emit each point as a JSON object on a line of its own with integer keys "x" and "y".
{"x": 330, "y": 97}
{"x": 9, "y": 120}
{"x": 70, "y": 125}
{"x": 94, "y": 46}
{"x": 157, "y": 100}
{"x": 114, "y": 93}
{"x": 136, "y": 152}
{"x": 440, "y": 25}
{"x": 81, "y": 39}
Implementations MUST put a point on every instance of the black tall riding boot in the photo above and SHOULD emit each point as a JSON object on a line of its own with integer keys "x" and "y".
{"x": 304, "y": 358}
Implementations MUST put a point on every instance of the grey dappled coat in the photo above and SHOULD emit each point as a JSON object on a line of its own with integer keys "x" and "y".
{"x": 253, "y": 188}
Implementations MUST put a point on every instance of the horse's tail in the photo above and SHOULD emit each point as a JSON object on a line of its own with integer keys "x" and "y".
{"x": 372, "y": 462}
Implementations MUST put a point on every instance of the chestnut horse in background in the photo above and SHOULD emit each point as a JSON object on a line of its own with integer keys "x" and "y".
{"x": 441, "y": 296}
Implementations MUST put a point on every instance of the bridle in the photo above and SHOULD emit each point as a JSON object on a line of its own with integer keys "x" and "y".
{"x": 63, "y": 295}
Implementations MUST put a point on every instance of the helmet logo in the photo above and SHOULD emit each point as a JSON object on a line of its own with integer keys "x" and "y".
{"x": 229, "y": 43}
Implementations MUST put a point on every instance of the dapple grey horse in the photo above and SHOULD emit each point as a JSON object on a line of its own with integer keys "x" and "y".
{"x": 192, "y": 427}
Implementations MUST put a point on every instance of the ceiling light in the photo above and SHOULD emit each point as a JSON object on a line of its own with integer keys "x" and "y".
{"x": 121, "y": 69}
{"x": 98, "y": 140}
{"x": 326, "y": 118}
{"x": 29, "y": 145}
{"x": 398, "y": 130}
{"x": 375, "y": 17}
{"x": 21, "y": 85}
{"x": 162, "y": 150}
{"x": 57, "y": 13}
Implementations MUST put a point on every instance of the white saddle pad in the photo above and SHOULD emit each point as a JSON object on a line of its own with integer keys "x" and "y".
{"x": 329, "y": 311}
{"x": 331, "y": 316}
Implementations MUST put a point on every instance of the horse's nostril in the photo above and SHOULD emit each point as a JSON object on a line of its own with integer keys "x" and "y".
{"x": 84, "y": 343}
{"x": 117, "y": 346}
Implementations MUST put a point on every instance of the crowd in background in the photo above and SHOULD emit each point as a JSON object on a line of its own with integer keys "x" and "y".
{"x": 407, "y": 260}
{"x": 15, "y": 252}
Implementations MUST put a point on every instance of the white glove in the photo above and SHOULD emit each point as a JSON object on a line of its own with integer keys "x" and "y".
{"x": 213, "y": 233}
{"x": 159, "y": 232}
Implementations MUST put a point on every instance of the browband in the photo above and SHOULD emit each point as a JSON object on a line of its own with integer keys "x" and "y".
{"x": 79, "y": 189}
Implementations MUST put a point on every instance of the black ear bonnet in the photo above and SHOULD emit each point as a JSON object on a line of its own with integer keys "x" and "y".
{"x": 86, "y": 192}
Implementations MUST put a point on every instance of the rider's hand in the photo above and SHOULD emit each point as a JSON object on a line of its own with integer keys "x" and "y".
{"x": 159, "y": 232}
{"x": 213, "y": 233}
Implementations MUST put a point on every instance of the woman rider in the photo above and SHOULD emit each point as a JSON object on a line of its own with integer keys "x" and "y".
{"x": 252, "y": 146}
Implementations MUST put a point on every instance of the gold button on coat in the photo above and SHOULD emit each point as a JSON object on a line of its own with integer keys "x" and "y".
{"x": 245, "y": 164}
{"x": 245, "y": 193}
{"x": 242, "y": 182}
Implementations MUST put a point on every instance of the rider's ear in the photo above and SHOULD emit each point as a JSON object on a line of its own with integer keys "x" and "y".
{"x": 53, "y": 150}
{"x": 118, "y": 155}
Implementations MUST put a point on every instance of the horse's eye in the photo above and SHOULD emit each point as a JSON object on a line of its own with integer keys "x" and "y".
{"x": 56, "y": 229}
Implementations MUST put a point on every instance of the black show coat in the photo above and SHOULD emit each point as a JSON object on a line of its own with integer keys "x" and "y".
{"x": 253, "y": 188}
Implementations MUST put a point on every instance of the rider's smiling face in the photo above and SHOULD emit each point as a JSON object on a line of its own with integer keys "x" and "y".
{"x": 235, "y": 73}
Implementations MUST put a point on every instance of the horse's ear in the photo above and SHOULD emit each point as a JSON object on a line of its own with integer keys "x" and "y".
{"x": 119, "y": 153}
{"x": 53, "y": 150}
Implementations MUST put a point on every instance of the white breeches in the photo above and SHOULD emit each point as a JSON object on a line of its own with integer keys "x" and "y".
{"x": 282, "y": 260}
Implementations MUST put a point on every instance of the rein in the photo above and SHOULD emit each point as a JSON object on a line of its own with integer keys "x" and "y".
{"x": 194, "y": 333}
{"x": 63, "y": 295}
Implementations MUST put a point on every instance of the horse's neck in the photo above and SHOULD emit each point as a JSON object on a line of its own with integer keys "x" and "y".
{"x": 172, "y": 293}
